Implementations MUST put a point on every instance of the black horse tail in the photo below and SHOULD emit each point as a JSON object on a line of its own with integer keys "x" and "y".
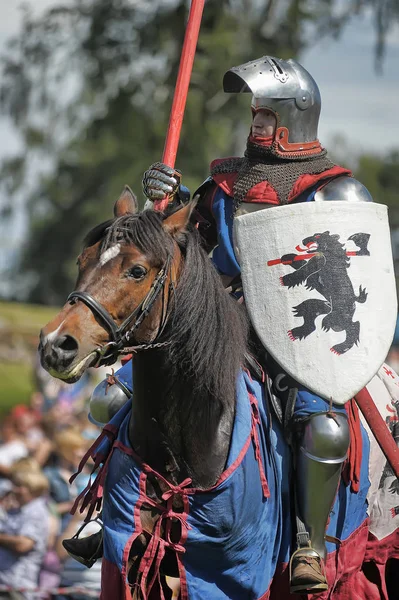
{"x": 362, "y": 297}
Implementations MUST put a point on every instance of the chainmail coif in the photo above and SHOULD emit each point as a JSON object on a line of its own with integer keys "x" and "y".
{"x": 260, "y": 163}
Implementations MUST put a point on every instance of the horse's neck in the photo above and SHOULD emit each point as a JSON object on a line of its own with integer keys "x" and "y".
{"x": 176, "y": 434}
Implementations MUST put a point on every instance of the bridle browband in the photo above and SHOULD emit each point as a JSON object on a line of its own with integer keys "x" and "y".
{"x": 121, "y": 335}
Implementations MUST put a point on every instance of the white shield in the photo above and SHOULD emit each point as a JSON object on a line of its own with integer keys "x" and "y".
{"x": 319, "y": 287}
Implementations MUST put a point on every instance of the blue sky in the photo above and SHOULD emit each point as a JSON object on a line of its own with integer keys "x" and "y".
{"x": 357, "y": 101}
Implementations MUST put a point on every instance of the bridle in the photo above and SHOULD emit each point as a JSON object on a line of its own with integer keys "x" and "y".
{"x": 120, "y": 335}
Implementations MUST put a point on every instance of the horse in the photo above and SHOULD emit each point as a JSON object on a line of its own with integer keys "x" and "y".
{"x": 193, "y": 474}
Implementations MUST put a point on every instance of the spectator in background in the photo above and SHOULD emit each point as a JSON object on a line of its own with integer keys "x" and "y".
{"x": 12, "y": 448}
{"x": 89, "y": 430}
{"x": 27, "y": 435}
{"x": 7, "y": 500}
{"x": 36, "y": 403}
{"x": 26, "y": 424}
{"x": 74, "y": 573}
{"x": 24, "y": 531}
{"x": 70, "y": 447}
{"x": 49, "y": 577}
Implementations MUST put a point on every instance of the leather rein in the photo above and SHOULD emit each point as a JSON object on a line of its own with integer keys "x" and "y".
{"x": 121, "y": 335}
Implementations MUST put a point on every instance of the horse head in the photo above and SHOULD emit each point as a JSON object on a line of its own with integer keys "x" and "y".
{"x": 126, "y": 271}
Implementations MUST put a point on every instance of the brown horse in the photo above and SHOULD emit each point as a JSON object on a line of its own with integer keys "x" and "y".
{"x": 132, "y": 268}
{"x": 146, "y": 285}
{"x": 134, "y": 274}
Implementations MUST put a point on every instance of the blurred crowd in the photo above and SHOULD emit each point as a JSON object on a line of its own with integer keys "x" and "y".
{"x": 41, "y": 445}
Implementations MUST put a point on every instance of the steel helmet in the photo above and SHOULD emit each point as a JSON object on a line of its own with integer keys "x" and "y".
{"x": 287, "y": 89}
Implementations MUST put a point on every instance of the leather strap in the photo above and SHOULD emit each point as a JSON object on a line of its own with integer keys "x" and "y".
{"x": 121, "y": 335}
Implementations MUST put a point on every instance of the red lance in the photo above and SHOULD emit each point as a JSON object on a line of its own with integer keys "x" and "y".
{"x": 181, "y": 90}
{"x": 379, "y": 428}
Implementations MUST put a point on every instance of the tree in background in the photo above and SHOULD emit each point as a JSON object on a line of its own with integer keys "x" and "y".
{"x": 89, "y": 87}
{"x": 381, "y": 176}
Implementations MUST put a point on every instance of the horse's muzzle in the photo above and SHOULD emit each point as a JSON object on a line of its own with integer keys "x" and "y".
{"x": 58, "y": 353}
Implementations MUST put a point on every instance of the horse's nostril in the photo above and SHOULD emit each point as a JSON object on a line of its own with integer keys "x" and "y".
{"x": 66, "y": 343}
{"x": 58, "y": 353}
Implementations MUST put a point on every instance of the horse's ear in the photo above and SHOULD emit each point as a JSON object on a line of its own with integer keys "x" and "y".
{"x": 179, "y": 220}
{"x": 126, "y": 203}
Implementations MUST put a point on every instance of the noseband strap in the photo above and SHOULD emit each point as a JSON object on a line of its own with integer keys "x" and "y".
{"x": 120, "y": 335}
{"x": 98, "y": 310}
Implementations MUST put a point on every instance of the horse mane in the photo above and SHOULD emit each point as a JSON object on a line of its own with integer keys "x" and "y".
{"x": 208, "y": 330}
{"x": 96, "y": 234}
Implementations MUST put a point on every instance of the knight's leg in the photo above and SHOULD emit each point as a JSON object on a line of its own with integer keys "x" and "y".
{"x": 111, "y": 394}
{"x": 85, "y": 550}
{"x": 322, "y": 443}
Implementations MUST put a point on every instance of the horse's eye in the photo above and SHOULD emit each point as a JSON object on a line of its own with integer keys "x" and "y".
{"x": 137, "y": 272}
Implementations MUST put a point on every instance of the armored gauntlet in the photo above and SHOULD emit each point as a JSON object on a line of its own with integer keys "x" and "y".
{"x": 160, "y": 181}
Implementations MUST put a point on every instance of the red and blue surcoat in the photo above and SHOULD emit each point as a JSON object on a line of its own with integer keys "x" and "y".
{"x": 234, "y": 536}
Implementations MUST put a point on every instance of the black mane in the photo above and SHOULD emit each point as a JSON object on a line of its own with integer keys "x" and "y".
{"x": 207, "y": 328}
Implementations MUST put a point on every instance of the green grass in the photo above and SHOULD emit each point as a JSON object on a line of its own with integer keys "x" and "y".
{"x": 16, "y": 385}
{"x": 19, "y": 328}
{"x": 26, "y": 319}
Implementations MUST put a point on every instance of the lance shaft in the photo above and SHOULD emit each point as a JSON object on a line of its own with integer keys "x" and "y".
{"x": 378, "y": 428}
{"x": 299, "y": 257}
{"x": 181, "y": 90}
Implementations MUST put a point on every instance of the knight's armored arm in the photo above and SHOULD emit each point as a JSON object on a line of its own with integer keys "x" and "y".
{"x": 160, "y": 181}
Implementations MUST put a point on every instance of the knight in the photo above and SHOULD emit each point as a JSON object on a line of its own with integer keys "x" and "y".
{"x": 284, "y": 163}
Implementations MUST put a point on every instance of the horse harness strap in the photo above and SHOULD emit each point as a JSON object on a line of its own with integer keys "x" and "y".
{"x": 97, "y": 309}
{"x": 120, "y": 335}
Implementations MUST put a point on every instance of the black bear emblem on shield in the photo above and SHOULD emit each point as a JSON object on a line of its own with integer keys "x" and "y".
{"x": 322, "y": 264}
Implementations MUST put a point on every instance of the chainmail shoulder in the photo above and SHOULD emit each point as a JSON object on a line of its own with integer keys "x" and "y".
{"x": 260, "y": 164}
